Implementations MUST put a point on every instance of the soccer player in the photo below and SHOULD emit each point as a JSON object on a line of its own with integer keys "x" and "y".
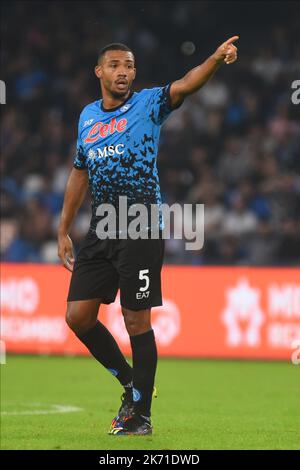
{"x": 117, "y": 148}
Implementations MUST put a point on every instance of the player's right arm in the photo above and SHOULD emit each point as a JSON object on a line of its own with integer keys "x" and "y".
{"x": 74, "y": 195}
{"x": 198, "y": 76}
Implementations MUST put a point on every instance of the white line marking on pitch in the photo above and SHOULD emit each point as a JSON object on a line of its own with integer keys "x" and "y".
{"x": 53, "y": 409}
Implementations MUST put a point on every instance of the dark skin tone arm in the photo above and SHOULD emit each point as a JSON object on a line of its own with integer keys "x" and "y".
{"x": 74, "y": 195}
{"x": 198, "y": 76}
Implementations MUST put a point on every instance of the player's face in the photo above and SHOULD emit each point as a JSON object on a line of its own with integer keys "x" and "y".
{"x": 116, "y": 72}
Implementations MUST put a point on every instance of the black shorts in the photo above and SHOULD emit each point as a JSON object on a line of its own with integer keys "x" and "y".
{"x": 103, "y": 266}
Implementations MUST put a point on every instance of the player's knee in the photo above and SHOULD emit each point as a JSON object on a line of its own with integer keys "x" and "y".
{"x": 136, "y": 323}
{"x": 77, "y": 321}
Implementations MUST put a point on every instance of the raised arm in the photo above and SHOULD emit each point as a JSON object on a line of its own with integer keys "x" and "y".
{"x": 198, "y": 76}
{"x": 74, "y": 195}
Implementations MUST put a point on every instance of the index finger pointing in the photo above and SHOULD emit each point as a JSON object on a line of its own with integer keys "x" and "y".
{"x": 231, "y": 40}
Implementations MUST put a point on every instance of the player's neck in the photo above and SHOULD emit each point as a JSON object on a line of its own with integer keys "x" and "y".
{"x": 109, "y": 101}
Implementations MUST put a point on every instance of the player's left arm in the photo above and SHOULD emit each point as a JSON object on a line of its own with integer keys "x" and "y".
{"x": 198, "y": 76}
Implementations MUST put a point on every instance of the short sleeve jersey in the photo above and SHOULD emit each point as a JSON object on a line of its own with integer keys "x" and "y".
{"x": 119, "y": 147}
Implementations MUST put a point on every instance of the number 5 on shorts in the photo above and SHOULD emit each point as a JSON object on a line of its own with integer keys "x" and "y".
{"x": 143, "y": 277}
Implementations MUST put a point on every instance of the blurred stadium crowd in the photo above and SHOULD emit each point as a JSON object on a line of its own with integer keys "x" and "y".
{"x": 234, "y": 145}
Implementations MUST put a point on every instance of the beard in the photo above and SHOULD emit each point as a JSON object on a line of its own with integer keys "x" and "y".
{"x": 119, "y": 94}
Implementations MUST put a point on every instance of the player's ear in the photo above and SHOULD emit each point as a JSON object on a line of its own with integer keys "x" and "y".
{"x": 98, "y": 71}
{"x": 134, "y": 75}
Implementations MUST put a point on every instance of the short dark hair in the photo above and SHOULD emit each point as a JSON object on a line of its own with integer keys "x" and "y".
{"x": 115, "y": 46}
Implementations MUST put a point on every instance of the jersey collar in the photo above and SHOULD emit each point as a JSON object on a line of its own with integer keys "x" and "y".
{"x": 116, "y": 107}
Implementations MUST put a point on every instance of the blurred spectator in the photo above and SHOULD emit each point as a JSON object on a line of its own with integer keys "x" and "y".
{"x": 262, "y": 248}
{"x": 233, "y": 146}
{"x": 239, "y": 221}
{"x": 288, "y": 252}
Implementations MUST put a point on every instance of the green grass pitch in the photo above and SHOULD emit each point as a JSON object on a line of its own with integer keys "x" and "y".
{"x": 201, "y": 404}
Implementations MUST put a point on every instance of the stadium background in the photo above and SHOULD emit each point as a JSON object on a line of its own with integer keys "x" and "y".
{"x": 234, "y": 146}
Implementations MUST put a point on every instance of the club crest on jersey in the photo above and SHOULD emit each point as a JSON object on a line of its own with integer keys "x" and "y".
{"x": 125, "y": 107}
{"x": 100, "y": 130}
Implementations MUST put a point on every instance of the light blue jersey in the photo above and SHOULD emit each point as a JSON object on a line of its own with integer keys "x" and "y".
{"x": 119, "y": 148}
